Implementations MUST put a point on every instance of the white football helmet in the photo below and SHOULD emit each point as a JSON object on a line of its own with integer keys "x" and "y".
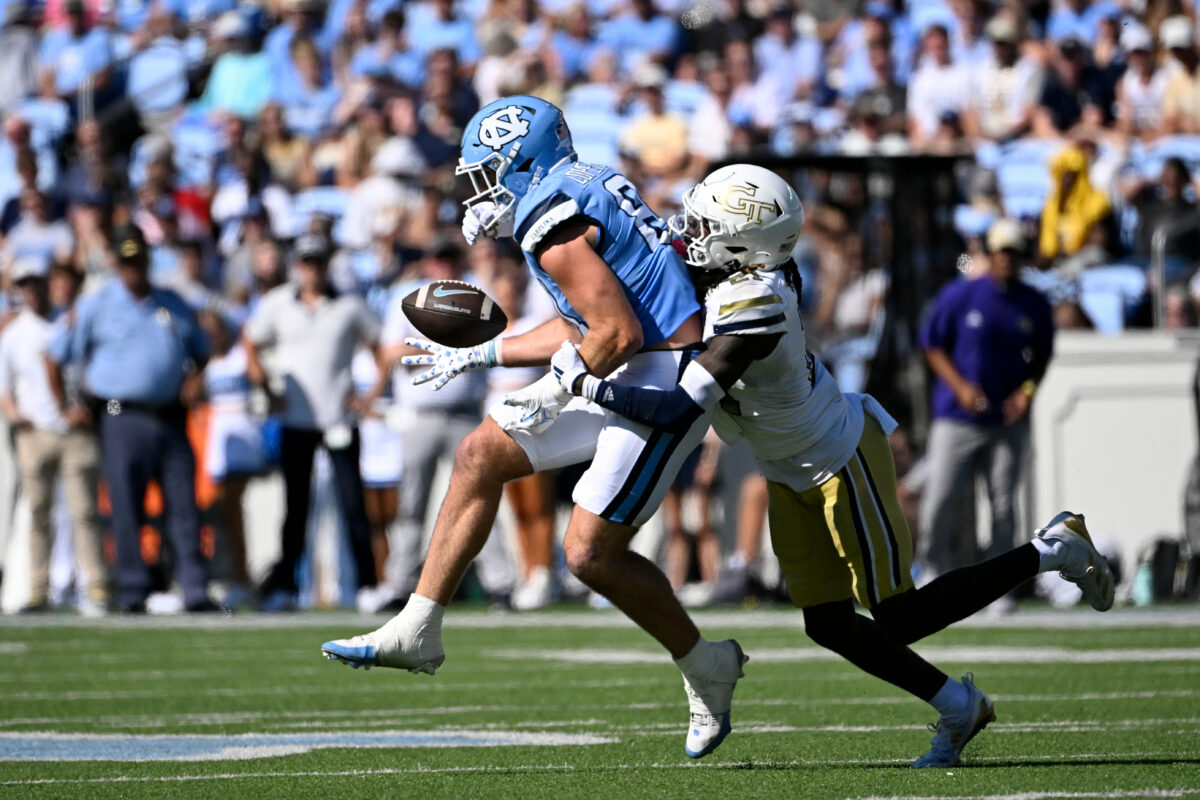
{"x": 739, "y": 216}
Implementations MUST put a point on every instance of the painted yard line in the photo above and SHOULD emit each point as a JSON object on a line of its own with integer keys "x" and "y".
{"x": 534, "y": 768}
{"x": 1046, "y": 795}
{"x": 224, "y": 718}
{"x": 60, "y": 747}
{"x": 765, "y": 618}
{"x": 950, "y": 653}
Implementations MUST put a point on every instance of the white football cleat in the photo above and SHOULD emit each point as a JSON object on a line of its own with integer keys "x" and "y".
{"x": 396, "y": 644}
{"x": 536, "y": 592}
{"x": 952, "y": 732}
{"x": 1082, "y": 563}
{"x": 709, "y": 699}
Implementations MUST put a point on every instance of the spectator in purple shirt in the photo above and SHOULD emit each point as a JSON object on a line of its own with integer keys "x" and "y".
{"x": 988, "y": 342}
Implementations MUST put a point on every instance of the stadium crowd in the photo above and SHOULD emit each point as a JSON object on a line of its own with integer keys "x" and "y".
{"x": 222, "y": 134}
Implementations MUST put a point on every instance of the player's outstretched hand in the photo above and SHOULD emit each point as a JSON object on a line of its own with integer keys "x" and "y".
{"x": 447, "y": 362}
{"x": 567, "y": 366}
{"x": 540, "y": 403}
{"x": 480, "y": 220}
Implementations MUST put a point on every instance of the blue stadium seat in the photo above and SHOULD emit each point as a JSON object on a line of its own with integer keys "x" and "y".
{"x": 1111, "y": 294}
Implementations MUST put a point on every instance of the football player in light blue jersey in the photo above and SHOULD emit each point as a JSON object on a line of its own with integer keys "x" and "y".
{"x": 625, "y": 298}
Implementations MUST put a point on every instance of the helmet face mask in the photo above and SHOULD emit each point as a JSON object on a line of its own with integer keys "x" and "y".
{"x": 737, "y": 217}
{"x": 507, "y": 147}
{"x": 486, "y": 178}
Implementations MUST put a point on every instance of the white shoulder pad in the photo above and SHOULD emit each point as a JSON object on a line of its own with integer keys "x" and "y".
{"x": 745, "y": 304}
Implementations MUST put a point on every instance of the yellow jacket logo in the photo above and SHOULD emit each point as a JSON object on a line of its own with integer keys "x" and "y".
{"x": 740, "y": 199}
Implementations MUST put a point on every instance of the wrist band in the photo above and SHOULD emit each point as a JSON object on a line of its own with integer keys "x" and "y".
{"x": 1029, "y": 388}
{"x": 590, "y": 388}
{"x": 491, "y": 354}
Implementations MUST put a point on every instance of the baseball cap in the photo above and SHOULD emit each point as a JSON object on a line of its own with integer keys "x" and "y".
{"x": 230, "y": 25}
{"x": 1002, "y": 29}
{"x": 1005, "y": 234}
{"x": 30, "y": 266}
{"x": 128, "y": 243}
{"x": 1136, "y": 37}
{"x": 1176, "y": 33}
{"x": 312, "y": 247}
{"x": 650, "y": 76}
{"x": 398, "y": 156}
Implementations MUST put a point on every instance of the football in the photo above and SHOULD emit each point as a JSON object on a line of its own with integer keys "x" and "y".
{"x": 454, "y": 313}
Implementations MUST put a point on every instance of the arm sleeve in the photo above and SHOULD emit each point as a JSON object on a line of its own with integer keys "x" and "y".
{"x": 669, "y": 410}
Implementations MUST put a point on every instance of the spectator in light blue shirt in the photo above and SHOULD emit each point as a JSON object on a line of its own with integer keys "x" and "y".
{"x": 158, "y": 74}
{"x": 641, "y": 34}
{"x": 436, "y": 27}
{"x": 1079, "y": 19}
{"x": 307, "y": 104}
{"x": 574, "y": 44}
{"x": 75, "y": 52}
{"x": 793, "y": 61}
{"x": 391, "y": 54}
{"x": 141, "y": 350}
{"x": 301, "y": 18}
{"x": 241, "y": 80}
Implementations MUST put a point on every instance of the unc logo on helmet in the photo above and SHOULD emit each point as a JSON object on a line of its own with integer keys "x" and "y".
{"x": 740, "y": 199}
{"x": 503, "y": 127}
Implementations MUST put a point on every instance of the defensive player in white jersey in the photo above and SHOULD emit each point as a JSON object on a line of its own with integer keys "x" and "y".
{"x": 836, "y": 524}
{"x": 596, "y": 248}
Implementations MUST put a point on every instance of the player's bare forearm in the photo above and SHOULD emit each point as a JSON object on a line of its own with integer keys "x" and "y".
{"x": 614, "y": 331}
{"x": 534, "y": 348}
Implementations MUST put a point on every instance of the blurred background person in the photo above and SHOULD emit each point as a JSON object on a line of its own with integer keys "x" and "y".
{"x": 315, "y": 332}
{"x": 235, "y": 450}
{"x": 988, "y": 342}
{"x": 55, "y": 447}
{"x": 142, "y": 350}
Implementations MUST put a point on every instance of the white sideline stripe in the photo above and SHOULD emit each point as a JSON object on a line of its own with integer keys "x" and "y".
{"x": 226, "y": 718}
{"x": 1044, "y": 795}
{"x": 737, "y": 765}
{"x": 765, "y": 618}
{"x": 953, "y": 653}
{"x": 13, "y": 648}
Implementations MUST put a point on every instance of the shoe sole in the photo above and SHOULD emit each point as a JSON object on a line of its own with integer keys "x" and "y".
{"x": 428, "y": 667}
{"x": 726, "y": 727}
{"x": 1097, "y": 583}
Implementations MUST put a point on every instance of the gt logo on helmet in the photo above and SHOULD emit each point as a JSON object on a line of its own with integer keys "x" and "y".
{"x": 739, "y": 199}
{"x": 503, "y": 127}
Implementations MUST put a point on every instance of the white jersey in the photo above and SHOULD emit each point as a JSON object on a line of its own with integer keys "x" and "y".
{"x": 786, "y": 406}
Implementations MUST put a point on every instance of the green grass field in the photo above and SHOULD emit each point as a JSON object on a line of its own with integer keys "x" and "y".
{"x": 578, "y": 704}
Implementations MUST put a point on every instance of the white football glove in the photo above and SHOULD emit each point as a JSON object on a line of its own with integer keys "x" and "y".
{"x": 541, "y": 402}
{"x": 477, "y": 217}
{"x": 448, "y": 362}
{"x": 567, "y": 366}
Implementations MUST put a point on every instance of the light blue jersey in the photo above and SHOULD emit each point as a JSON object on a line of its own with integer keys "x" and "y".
{"x": 653, "y": 275}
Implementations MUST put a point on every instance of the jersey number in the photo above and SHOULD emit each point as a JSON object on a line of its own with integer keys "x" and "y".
{"x": 646, "y": 221}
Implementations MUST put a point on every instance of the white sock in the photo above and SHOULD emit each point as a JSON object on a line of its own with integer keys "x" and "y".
{"x": 951, "y": 698}
{"x": 1050, "y": 554}
{"x": 426, "y": 610}
{"x": 736, "y": 562}
{"x": 701, "y": 660}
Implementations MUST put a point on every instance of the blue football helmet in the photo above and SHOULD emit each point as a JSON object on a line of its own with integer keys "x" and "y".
{"x": 509, "y": 145}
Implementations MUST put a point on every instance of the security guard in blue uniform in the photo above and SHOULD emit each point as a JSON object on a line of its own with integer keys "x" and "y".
{"x": 141, "y": 352}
